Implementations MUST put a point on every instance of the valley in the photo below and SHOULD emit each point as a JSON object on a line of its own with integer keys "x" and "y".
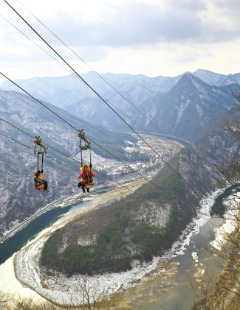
{"x": 157, "y": 209}
{"x": 133, "y": 288}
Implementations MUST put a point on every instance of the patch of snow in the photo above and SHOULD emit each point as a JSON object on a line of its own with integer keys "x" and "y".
{"x": 230, "y": 222}
{"x": 181, "y": 109}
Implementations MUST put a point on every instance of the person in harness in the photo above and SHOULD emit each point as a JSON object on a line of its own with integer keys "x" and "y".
{"x": 39, "y": 178}
{"x": 87, "y": 178}
{"x": 39, "y": 181}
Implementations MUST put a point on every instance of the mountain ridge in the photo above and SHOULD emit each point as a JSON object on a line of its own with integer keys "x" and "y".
{"x": 138, "y": 92}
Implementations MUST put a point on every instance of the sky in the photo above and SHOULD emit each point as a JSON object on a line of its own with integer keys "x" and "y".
{"x": 150, "y": 37}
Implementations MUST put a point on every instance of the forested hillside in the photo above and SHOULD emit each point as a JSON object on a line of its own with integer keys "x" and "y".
{"x": 139, "y": 227}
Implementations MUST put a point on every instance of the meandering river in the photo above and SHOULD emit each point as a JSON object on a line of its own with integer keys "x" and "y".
{"x": 169, "y": 290}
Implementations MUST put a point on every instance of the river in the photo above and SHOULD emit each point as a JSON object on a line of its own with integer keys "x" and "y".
{"x": 172, "y": 289}
{"x": 169, "y": 290}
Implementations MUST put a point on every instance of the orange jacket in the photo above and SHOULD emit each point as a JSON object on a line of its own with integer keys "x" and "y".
{"x": 86, "y": 177}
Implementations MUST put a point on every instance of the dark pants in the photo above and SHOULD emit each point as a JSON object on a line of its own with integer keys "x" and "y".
{"x": 45, "y": 185}
{"x": 82, "y": 185}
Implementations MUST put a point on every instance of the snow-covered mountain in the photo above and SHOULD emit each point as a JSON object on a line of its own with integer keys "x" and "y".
{"x": 188, "y": 109}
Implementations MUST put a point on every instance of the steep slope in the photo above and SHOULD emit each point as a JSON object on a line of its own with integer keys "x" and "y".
{"x": 188, "y": 108}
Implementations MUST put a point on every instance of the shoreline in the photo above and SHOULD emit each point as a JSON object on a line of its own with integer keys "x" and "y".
{"x": 107, "y": 285}
{"x": 110, "y": 196}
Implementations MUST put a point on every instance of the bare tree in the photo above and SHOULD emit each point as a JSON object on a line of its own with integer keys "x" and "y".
{"x": 224, "y": 293}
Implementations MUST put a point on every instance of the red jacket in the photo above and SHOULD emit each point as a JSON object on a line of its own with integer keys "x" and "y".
{"x": 84, "y": 176}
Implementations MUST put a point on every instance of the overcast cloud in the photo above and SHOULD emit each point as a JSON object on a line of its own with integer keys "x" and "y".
{"x": 152, "y": 37}
{"x": 133, "y": 25}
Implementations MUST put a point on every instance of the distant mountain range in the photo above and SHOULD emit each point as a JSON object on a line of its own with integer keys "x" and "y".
{"x": 179, "y": 106}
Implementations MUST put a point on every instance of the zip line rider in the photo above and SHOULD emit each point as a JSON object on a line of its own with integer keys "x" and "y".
{"x": 87, "y": 178}
{"x": 39, "y": 178}
{"x": 86, "y": 171}
{"x": 39, "y": 181}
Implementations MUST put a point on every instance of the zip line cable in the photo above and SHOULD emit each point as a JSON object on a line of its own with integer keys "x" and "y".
{"x": 102, "y": 98}
{"x": 84, "y": 81}
{"x": 80, "y": 58}
{"x": 106, "y": 101}
{"x": 71, "y": 71}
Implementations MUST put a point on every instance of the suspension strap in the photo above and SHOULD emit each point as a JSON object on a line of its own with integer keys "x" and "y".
{"x": 80, "y": 145}
{"x": 37, "y": 160}
{"x": 90, "y": 161}
{"x": 41, "y": 149}
{"x": 42, "y": 159}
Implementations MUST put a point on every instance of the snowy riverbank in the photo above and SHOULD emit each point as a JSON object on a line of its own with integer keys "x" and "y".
{"x": 71, "y": 290}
